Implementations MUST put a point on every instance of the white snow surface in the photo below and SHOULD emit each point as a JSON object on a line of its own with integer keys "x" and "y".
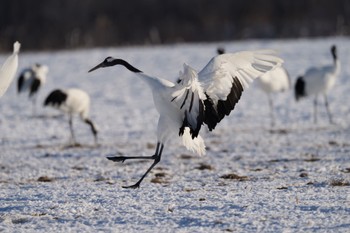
{"x": 294, "y": 177}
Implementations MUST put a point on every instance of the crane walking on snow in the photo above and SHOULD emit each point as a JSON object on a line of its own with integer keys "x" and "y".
{"x": 9, "y": 69}
{"x": 197, "y": 98}
{"x": 318, "y": 81}
{"x": 72, "y": 101}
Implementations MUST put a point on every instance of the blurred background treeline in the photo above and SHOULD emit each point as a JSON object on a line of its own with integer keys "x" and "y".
{"x": 63, "y": 24}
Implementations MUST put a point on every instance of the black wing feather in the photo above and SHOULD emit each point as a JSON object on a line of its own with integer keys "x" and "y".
{"x": 34, "y": 87}
{"x": 55, "y": 98}
{"x": 224, "y": 107}
{"x": 20, "y": 83}
{"x": 200, "y": 118}
{"x": 299, "y": 89}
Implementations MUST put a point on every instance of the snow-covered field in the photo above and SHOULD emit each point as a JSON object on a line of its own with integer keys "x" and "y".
{"x": 293, "y": 177}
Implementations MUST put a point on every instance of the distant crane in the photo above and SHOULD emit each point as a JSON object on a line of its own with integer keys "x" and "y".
{"x": 276, "y": 80}
{"x": 31, "y": 79}
{"x": 72, "y": 101}
{"x": 198, "y": 98}
{"x": 273, "y": 81}
{"x": 9, "y": 69}
{"x": 318, "y": 81}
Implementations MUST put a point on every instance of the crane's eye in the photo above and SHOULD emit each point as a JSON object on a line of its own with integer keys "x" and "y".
{"x": 109, "y": 59}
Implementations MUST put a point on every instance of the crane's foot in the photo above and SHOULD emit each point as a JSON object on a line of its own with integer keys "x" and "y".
{"x": 135, "y": 186}
{"x": 155, "y": 157}
{"x": 118, "y": 158}
{"x": 123, "y": 158}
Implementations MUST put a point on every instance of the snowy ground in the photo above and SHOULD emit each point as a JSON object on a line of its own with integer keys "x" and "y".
{"x": 291, "y": 178}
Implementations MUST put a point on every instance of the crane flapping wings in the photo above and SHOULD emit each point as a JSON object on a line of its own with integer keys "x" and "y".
{"x": 210, "y": 95}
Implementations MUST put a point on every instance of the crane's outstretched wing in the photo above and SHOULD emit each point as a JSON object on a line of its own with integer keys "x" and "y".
{"x": 188, "y": 97}
{"x": 8, "y": 69}
{"x": 226, "y": 76}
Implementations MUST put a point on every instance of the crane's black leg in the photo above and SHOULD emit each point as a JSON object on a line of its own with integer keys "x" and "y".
{"x": 156, "y": 157}
{"x": 71, "y": 127}
{"x": 272, "y": 115}
{"x": 315, "y": 110}
{"x": 328, "y": 110}
{"x": 34, "y": 106}
{"x": 93, "y": 128}
{"x": 123, "y": 158}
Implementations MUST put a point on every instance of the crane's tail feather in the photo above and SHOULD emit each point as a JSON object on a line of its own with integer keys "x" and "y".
{"x": 195, "y": 145}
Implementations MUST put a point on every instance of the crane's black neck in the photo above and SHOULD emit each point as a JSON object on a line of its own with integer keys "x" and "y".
{"x": 125, "y": 64}
{"x": 334, "y": 53}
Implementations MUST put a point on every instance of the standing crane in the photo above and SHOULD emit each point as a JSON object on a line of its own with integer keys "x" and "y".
{"x": 318, "y": 81}
{"x": 274, "y": 81}
{"x": 72, "y": 101}
{"x": 204, "y": 97}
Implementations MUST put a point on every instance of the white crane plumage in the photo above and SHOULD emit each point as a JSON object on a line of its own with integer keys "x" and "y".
{"x": 72, "y": 101}
{"x": 9, "y": 69}
{"x": 273, "y": 81}
{"x": 198, "y": 98}
{"x": 318, "y": 81}
{"x": 31, "y": 80}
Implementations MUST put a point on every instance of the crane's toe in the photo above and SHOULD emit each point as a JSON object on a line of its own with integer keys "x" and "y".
{"x": 135, "y": 186}
{"x": 117, "y": 158}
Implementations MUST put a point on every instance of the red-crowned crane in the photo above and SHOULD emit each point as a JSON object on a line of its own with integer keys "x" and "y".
{"x": 72, "y": 101}
{"x": 198, "y": 98}
{"x": 30, "y": 80}
{"x": 9, "y": 69}
{"x": 318, "y": 81}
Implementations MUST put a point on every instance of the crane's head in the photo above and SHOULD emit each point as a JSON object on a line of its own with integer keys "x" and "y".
{"x": 40, "y": 69}
{"x": 110, "y": 61}
{"x": 106, "y": 63}
{"x": 16, "y": 47}
{"x": 220, "y": 50}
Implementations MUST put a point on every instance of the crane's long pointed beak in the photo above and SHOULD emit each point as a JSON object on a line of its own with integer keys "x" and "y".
{"x": 96, "y": 67}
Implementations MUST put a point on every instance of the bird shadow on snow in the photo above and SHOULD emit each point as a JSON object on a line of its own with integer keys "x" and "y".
{"x": 66, "y": 146}
{"x": 45, "y": 116}
{"x": 291, "y": 128}
{"x": 61, "y": 146}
